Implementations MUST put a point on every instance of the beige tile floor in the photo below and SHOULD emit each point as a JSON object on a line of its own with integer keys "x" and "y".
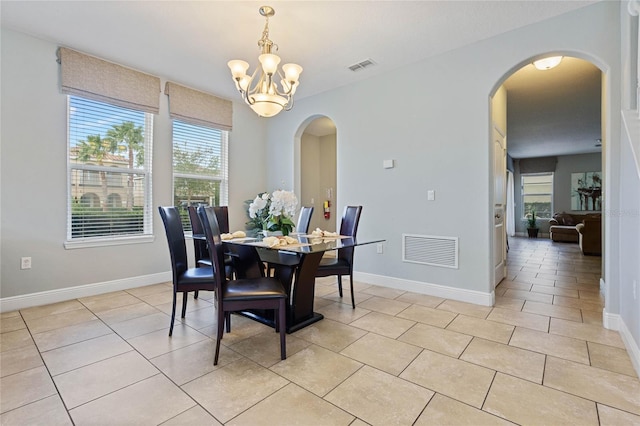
{"x": 540, "y": 356}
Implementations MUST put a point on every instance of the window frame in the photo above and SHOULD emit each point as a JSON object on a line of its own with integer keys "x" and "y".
{"x": 523, "y": 195}
{"x": 117, "y": 239}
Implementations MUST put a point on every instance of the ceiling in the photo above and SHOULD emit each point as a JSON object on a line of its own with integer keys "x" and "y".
{"x": 190, "y": 42}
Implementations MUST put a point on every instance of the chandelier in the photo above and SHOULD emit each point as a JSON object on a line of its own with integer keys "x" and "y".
{"x": 260, "y": 90}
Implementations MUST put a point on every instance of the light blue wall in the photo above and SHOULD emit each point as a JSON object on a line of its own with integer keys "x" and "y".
{"x": 433, "y": 119}
{"x": 34, "y": 179}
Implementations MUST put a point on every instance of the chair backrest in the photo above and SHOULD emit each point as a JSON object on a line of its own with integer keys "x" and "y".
{"x": 304, "y": 219}
{"x": 196, "y": 224}
{"x": 222, "y": 215}
{"x": 216, "y": 249}
{"x": 199, "y": 246}
{"x": 349, "y": 227}
{"x": 175, "y": 237}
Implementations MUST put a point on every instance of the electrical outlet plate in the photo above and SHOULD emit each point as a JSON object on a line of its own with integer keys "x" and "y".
{"x": 379, "y": 248}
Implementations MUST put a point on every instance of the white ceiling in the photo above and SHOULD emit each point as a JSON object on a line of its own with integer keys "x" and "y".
{"x": 190, "y": 42}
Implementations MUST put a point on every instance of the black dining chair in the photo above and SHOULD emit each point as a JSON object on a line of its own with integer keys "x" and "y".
{"x": 200, "y": 250}
{"x": 222, "y": 215}
{"x": 185, "y": 279}
{"x": 342, "y": 264}
{"x": 304, "y": 219}
{"x": 241, "y": 294}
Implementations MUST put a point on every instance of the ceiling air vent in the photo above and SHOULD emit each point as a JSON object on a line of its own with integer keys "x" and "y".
{"x": 430, "y": 250}
{"x": 362, "y": 65}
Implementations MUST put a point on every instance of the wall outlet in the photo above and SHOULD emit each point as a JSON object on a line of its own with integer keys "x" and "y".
{"x": 379, "y": 248}
{"x": 635, "y": 289}
{"x": 25, "y": 263}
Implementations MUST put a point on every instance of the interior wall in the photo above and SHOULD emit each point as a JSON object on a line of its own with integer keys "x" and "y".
{"x": 310, "y": 179}
{"x": 318, "y": 165}
{"x": 34, "y": 181}
{"x": 328, "y": 186}
{"x": 437, "y": 134}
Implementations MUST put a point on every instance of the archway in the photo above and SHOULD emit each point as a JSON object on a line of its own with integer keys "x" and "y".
{"x": 575, "y": 70}
{"x": 315, "y": 170}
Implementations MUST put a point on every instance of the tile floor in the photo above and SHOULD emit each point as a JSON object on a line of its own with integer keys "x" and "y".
{"x": 540, "y": 356}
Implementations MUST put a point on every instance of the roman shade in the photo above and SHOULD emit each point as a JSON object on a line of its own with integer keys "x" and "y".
{"x": 538, "y": 165}
{"x": 196, "y": 107}
{"x": 100, "y": 80}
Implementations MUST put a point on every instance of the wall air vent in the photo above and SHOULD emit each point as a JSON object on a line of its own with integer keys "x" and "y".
{"x": 362, "y": 65}
{"x": 430, "y": 250}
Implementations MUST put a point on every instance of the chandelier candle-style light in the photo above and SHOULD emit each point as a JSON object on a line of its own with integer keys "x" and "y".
{"x": 260, "y": 90}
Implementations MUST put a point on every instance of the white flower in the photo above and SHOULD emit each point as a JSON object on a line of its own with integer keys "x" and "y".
{"x": 274, "y": 211}
{"x": 283, "y": 203}
{"x": 258, "y": 204}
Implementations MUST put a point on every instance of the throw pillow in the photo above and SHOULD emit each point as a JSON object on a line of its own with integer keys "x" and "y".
{"x": 568, "y": 220}
{"x": 559, "y": 217}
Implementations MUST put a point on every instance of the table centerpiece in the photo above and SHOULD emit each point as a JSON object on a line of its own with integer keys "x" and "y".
{"x": 273, "y": 212}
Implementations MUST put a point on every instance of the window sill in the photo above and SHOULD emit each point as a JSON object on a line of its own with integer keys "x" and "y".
{"x": 105, "y": 242}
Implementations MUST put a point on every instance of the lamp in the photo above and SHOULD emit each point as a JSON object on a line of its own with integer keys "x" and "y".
{"x": 260, "y": 90}
{"x": 547, "y": 63}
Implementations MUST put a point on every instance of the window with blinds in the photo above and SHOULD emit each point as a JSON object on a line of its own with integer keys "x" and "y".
{"x": 109, "y": 164}
{"x": 537, "y": 194}
{"x": 199, "y": 167}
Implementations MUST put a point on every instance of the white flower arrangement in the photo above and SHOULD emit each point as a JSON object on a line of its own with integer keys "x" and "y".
{"x": 275, "y": 211}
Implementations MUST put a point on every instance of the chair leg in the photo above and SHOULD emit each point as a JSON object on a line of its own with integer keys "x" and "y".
{"x": 340, "y": 285}
{"x": 282, "y": 322}
{"x": 184, "y": 303}
{"x": 353, "y": 299}
{"x": 227, "y": 319}
{"x": 195, "y": 294}
{"x": 173, "y": 313}
{"x": 221, "y": 316}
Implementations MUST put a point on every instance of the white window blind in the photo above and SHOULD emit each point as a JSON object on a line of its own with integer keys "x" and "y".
{"x": 200, "y": 164}
{"x": 537, "y": 194}
{"x": 109, "y": 164}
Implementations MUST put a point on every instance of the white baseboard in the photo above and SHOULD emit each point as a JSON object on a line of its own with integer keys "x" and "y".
{"x": 615, "y": 322}
{"x": 459, "y": 294}
{"x": 8, "y": 304}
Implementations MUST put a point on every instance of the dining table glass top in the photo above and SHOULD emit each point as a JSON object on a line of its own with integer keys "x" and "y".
{"x": 301, "y": 243}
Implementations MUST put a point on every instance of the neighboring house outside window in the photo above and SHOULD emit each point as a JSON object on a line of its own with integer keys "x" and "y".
{"x": 200, "y": 162}
{"x": 109, "y": 163}
{"x": 537, "y": 194}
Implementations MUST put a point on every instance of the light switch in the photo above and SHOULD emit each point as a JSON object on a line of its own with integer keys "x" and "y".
{"x": 431, "y": 195}
{"x": 387, "y": 164}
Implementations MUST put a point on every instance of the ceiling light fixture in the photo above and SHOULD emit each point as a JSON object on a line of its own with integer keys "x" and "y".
{"x": 259, "y": 90}
{"x": 547, "y": 63}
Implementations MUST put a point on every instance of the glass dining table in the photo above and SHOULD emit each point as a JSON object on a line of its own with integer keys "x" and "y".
{"x": 295, "y": 266}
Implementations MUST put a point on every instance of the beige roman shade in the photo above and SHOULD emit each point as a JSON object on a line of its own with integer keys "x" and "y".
{"x": 198, "y": 108}
{"x": 96, "y": 79}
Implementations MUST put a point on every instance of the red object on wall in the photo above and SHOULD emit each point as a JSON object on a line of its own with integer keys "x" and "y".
{"x": 327, "y": 209}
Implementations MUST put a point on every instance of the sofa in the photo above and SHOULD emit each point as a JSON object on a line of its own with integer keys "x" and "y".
{"x": 590, "y": 235}
{"x": 563, "y": 226}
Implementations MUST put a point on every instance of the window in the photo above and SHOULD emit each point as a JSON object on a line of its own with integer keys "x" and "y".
{"x": 109, "y": 164}
{"x": 199, "y": 167}
{"x": 537, "y": 194}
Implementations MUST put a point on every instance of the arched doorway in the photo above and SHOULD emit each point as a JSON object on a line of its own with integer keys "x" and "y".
{"x": 316, "y": 176}
{"x": 554, "y": 127}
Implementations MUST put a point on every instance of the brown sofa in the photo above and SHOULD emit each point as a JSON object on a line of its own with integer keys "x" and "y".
{"x": 562, "y": 227}
{"x": 590, "y": 231}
